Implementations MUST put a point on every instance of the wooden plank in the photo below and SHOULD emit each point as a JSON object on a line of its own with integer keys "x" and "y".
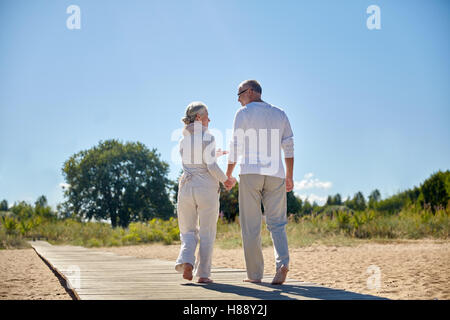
{"x": 104, "y": 275}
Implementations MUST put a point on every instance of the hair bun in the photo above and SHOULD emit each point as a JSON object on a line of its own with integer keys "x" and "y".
{"x": 192, "y": 110}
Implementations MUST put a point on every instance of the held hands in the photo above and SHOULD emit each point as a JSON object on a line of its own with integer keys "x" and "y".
{"x": 229, "y": 184}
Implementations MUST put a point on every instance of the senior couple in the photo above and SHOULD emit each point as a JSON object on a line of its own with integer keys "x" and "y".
{"x": 262, "y": 180}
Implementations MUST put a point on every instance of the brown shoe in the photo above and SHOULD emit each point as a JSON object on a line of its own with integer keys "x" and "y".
{"x": 187, "y": 271}
{"x": 280, "y": 277}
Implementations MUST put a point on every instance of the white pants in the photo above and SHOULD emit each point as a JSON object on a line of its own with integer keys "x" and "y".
{"x": 198, "y": 211}
{"x": 271, "y": 191}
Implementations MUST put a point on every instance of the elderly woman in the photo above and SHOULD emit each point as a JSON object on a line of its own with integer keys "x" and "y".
{"x": 198, "y": 194}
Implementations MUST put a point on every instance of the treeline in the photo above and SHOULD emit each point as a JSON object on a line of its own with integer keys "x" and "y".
{"x": 124, "y": 183}
{"x": 24, "y": 221}
{"x": 433, "y": 194}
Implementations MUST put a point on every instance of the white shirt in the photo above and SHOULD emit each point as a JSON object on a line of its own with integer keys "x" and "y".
{"x": 198, "y": 153}
{"x": 260, "y": 131}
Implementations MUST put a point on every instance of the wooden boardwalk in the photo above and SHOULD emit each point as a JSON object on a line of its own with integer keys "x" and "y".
{"x": 96, "y": 275}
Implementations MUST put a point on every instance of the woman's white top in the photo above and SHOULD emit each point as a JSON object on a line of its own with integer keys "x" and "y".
{"x": 198, "y": 154}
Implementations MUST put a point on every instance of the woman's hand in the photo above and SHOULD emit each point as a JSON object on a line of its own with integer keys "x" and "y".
{"x": 220, "y": 153}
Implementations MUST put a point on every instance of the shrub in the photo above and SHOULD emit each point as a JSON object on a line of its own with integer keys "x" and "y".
{"x": 10, "y": 224}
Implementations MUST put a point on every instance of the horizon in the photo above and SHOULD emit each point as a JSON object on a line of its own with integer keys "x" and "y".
{"x": 367, "y": 96}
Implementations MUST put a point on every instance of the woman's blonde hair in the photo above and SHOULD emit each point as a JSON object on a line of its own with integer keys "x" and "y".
{"x": 193, "y": 109}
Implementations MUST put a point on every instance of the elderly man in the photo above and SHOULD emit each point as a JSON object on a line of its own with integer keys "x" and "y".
{"x": 260, "y": 131}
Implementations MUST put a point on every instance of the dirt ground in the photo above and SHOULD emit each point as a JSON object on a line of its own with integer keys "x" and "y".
{"x": 24, "y": 276}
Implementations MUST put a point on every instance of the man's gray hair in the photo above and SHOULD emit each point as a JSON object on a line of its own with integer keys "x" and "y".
{"x": 193, "y": 109}
{"x": 253, "y": 84}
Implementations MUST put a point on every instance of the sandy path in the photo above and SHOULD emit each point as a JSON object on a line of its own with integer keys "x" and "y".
{"x": 24, "y": 276}
{"x": 411, "y": 270}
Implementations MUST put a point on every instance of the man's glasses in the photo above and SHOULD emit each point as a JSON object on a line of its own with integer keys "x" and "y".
{"x": 242, "y": 92}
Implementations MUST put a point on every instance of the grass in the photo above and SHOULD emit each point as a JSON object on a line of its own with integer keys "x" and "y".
{"x": 89, "y": 234}
{"x": 338, "y": 229}
{"x": 10, "y": 241}
{"x": 347, "y": 229}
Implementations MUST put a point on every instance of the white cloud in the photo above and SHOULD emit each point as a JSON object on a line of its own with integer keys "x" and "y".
{"x": 312, "y": 197}
{"x": 309, "y": 175}
{"x": 309, "y": 183}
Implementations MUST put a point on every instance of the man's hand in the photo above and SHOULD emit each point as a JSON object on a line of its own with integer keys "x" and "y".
{"x": 289, "y": 174}
{"x": 229, "y": 184}
{"x": 289, "y": 184}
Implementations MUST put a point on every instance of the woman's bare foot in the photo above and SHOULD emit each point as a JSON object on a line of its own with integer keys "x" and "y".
{"x": 252, "y": 281}
{"x": 204, "y": 280}
{"x": 187, "y": 271}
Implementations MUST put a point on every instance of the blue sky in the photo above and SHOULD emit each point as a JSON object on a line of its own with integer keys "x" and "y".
{"x": 369, "y": 108}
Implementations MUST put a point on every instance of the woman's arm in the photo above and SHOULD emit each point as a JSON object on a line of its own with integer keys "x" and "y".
{"x": 209, "y": 157}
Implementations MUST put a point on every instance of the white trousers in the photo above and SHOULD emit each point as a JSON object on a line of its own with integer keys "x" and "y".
{"x": 271, "y": 191}
{"x": 198, "y": 211}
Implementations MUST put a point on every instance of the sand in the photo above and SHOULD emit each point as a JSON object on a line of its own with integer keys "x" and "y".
{"x": 410, "y": 270}
{"x": 24, "y": 276}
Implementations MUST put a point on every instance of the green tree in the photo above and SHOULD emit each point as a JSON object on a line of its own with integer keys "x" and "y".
{"x": 294, "y": 204}
{"x": 41, "y": 201}
{"x": 315, "y": 207}
{"x": 4, "y": 205}
{"x": 307, "y": 208}
{"x": 360, "y": 201}
{"x": 116, "y": 181}
{"x": 374, "y": 198}
{"x": 435, "y": 191}
{"x": 22, "y": 210}
{"x": 393, "y": 204}
{"x": 41, "y": 208}
{"x": 337, "y": 201}
{"x": 229, "y": 202}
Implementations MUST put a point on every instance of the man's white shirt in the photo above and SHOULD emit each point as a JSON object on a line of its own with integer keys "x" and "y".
{"x": 260, "y": 131}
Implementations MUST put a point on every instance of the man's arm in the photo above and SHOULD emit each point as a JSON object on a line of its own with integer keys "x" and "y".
{"x": 289, "y": 173}
{"x": 230, "y": 169}
{"x": 287, "y": 144}
{"x": 238, "y": 123}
